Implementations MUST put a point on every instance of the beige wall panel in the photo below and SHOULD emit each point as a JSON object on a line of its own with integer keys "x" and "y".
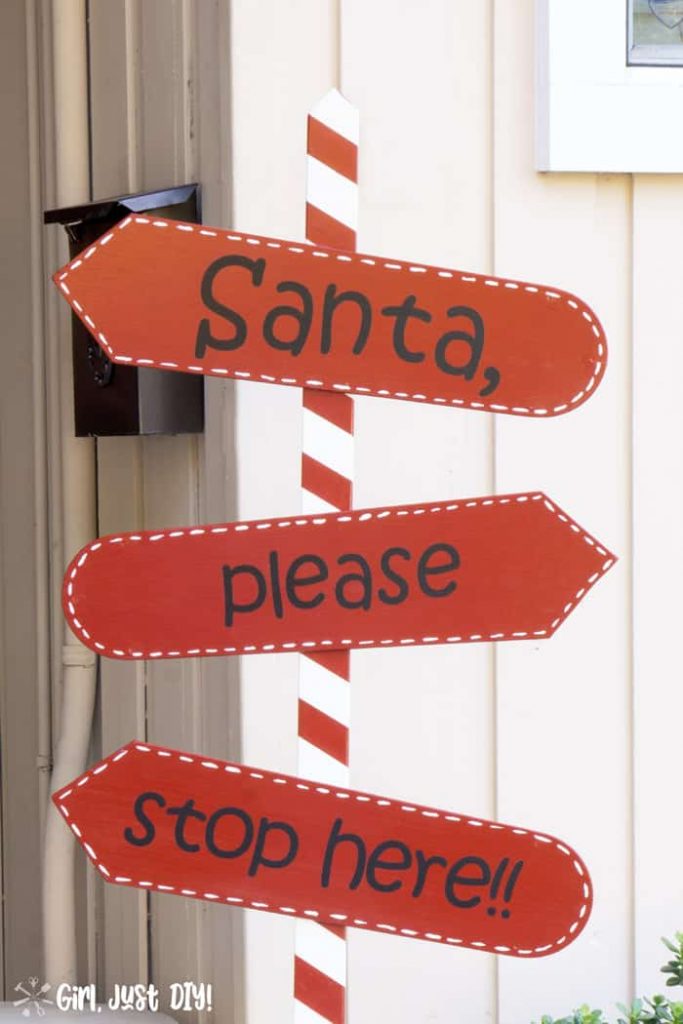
{"x": 658, "y": 560}
{"x": 220, "y": 939}
{"x": 23, "y": 526}
{"x": 422, "y": 720}
{"x": 283, "y": 54}
{"x": 170, "y": 464}
{"x": 564, "y": 705}
{"x": 124, "y": 955}
{"x": 283, "y": 58}
{"x": 421, "y": 75}
{"x": 111, "y": 69}
{"x": 161, "y": 111}
{"x": 173, "y": 696}
{"x": 161, "y": 30}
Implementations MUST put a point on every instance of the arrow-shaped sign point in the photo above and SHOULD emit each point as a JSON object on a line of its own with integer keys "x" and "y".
{"x": 506, "y": 567}
{"x": 176, "y": 296}
{"x": 178, "y": 823}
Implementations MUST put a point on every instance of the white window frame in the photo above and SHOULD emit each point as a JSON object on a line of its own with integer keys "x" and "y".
{"x": 595, "y": 112}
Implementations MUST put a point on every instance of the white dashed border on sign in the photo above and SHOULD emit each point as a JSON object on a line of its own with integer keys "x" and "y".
{"x": 61, "y": 799}
{"x": 335, "y": 643}
{"x": 315, "y": 252}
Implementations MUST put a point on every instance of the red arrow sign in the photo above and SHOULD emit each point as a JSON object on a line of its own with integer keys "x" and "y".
{"x": 180, "y": 297}
{"x": 499, "y": 568}
{"x": 179, "y": 823}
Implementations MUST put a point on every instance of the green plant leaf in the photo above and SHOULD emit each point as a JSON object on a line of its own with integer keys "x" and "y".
{"x": 655, "y": 1010}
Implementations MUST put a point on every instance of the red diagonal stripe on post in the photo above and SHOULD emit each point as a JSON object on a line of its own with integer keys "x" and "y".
{"x": 338, "y": 662}
{"x": 320, "y": 993}
{"x": 332, "y": 149}
{"x": 323, "y": 481}
{"x": 328, "y": 231}
{"x": 323, "y": 732}
{"x": 335, "y": 408}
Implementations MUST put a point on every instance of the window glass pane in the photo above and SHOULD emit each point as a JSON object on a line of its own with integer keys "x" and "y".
{"x": 658, "y": 23}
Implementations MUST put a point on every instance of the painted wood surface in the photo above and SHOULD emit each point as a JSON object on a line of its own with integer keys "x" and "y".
{"x": 560, "y": 733}
{"x": 159, "y": 293}
{"x": 283, "y": 844}
{"x": 324, "y": 706}
{"x": 500, "y": 567}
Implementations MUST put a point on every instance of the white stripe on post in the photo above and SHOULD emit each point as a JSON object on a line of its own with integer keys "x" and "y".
{"x": 323, "y": 950}
{"x": 315, "y": 506}
{"x": 327, "y": 473}
{"x": 304, "y": 1015}
{"x": 328, "y": 444}
{"x": 332, "y": 193}
{"x": 324, "y": 691}
{"x": 340, "y": 116}
{"x": 314, "y": 763}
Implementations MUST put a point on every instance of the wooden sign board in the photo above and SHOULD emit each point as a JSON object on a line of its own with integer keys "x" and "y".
{"x": 499, "y": 568}
{"x": 179, "y": 823}
{"x": 204, "y": 300}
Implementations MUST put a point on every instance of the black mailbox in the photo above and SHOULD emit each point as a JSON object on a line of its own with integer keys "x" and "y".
{"x": 111, "y": 399}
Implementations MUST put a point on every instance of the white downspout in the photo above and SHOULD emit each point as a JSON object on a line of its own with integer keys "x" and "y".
{"x": 78, "y": 676}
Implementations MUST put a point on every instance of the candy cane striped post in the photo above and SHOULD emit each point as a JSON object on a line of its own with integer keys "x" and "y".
{"x": 326, "y": 481}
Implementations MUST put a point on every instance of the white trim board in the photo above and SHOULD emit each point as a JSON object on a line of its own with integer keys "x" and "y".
{"x": 593, "y": 112}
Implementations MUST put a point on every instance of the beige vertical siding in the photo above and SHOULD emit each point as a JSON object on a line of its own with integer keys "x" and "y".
{"x": 24, "y": 648}
{"x": 565, "y": 707}
{"x": 657, "y": 559}
{"x": 422, "y": 721}
{"x": 160, "y": 116}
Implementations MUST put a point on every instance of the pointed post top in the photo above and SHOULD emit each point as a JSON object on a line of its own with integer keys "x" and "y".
{"x": 334, "y": 111}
